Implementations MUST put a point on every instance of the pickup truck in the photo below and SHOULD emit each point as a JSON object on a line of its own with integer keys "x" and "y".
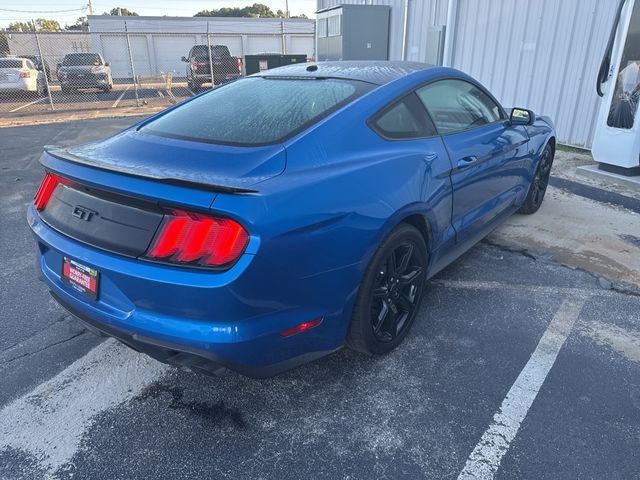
{"x": 225, "y": 66}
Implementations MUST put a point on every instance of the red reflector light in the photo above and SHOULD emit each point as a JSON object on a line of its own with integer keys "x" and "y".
{"x": 48, "y": 185}
{"x": 301, "y": 328}
{"x": 25, "y": 74}
{"x": 239, "y": 64}
{"x": 195, "y": 66}
{"x": 188, "y": 238}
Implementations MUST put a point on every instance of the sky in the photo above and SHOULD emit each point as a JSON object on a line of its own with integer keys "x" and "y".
{"x": 29, "y": 9}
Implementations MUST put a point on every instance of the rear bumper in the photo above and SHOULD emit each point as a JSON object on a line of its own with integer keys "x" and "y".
{"x": 203, "y": 320}
{"x": 18, "y": 86}
{"x": 181, "y": 355}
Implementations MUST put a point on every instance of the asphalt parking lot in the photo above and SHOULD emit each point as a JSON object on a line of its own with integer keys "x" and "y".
{"x": 517, "y": 367}
{"x": 123, "y": 95}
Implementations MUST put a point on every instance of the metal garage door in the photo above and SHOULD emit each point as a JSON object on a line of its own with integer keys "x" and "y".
{"x": 115, "y": 51}
{"x": 263, "y": 44}
{"x": 302, "y": 45}
{"x": 234, "y": 43}
{"x": 168, "y": 49}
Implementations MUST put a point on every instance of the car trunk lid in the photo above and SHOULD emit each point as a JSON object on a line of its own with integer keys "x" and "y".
{"x": 114, "y": 194}
{"x": 205, "y": 166}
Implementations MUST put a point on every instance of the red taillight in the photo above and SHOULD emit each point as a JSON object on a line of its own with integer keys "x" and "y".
{"x": 192, "y": 238}
{"x": 48, "y": 185}
{"x": 25, "y": 74}
{"x": 195, "y": 66}
{"x": 239, "y": 64}
{"x": 301, "y": 328}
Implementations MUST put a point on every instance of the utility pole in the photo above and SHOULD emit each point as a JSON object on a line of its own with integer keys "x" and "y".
{"x": 286, "y": 13}
{"x": 90, "y": 8}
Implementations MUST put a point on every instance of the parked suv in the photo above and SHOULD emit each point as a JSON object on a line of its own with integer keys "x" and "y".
{"x": 84, "y": 70}
{"x": 225, "y": 66}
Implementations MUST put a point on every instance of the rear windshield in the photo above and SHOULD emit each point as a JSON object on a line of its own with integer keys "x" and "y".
{"x": 257, "y": 111}
{"x": 78, "y": 59}
{"x": 10, "y": 63}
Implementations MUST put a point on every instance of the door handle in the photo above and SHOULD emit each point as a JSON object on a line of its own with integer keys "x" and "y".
{"x": 466, "y": 161}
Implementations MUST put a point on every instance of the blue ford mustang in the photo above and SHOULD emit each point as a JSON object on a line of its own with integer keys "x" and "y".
{"x": 274, "y": 219}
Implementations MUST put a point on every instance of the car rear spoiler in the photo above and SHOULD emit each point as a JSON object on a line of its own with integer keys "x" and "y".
{"x": 64, "y": 154}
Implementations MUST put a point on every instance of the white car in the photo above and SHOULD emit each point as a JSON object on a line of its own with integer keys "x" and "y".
{"x": 19, "y": 74}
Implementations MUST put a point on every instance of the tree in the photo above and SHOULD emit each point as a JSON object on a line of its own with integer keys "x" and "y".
{"x": 44, "y": 25}
{"x": 41, "y": 24}
{"x": 20, "y": 27}
{"x": 256, "y": 10}
{"x": 81, "y": 24}
{"x": 125, "y": 12}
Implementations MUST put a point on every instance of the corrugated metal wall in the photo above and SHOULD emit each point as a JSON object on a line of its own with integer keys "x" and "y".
{"x": 540, "y": 54}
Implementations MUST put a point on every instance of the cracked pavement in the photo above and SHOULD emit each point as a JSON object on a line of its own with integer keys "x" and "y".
{"x": 73, "y": 405}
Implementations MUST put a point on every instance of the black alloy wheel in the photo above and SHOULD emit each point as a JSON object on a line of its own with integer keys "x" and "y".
{"x": 394, "y": 298}
{"x": 540, "y": 182}
{"x": 390, "y": 293}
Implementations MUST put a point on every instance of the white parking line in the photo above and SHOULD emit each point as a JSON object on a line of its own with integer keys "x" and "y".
{"x": 485, "y": 459}
{"x": 115, "y": 104}
{"x": 28, "y": 104}
{"x": 160, "y": 94}
{"x": 49, "y": 422}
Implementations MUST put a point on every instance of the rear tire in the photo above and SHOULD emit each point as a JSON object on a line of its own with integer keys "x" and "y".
{"x": 390, "y": 293}
{"x": 539, "y": 184}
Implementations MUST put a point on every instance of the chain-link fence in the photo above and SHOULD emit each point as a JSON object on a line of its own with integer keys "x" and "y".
{"x": 75, "y": 71}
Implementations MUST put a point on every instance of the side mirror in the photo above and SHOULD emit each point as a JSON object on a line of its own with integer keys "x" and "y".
{"x": 184, "y": 59}
{"x": 522, "y": 116}
{"x": 106, "y": 64}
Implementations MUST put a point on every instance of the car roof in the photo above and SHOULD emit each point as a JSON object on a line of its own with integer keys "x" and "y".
{"x": 376, "y": 72}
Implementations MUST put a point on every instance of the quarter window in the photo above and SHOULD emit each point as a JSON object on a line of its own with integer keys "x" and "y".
{"x": 404, "y": 119}
{"x": 456, "y": 105}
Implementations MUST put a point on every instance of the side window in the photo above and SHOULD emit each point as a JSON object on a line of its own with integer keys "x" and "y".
{"x": 404, "y": 119}
{"x": 456, "y": 105}
{"x": 29, "y": 65}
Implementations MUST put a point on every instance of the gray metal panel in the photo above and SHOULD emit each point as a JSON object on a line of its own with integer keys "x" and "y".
{"x": 396, "y": 19}
{"x": 365, "y": 33}
{"x": 542, "y": 55}
{"x": 435, "y": 45}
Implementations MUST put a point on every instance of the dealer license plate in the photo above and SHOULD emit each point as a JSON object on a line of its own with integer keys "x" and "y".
{"x": 80, "y": 277}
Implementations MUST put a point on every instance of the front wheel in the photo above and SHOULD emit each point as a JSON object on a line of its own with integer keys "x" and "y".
{"x": 540, "y": 182}
{"x": 390, "y": 293}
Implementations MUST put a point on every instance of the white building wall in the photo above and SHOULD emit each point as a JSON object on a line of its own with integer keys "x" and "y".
{"x": 158, "y": 43}
{"x": 540, "y": 54}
